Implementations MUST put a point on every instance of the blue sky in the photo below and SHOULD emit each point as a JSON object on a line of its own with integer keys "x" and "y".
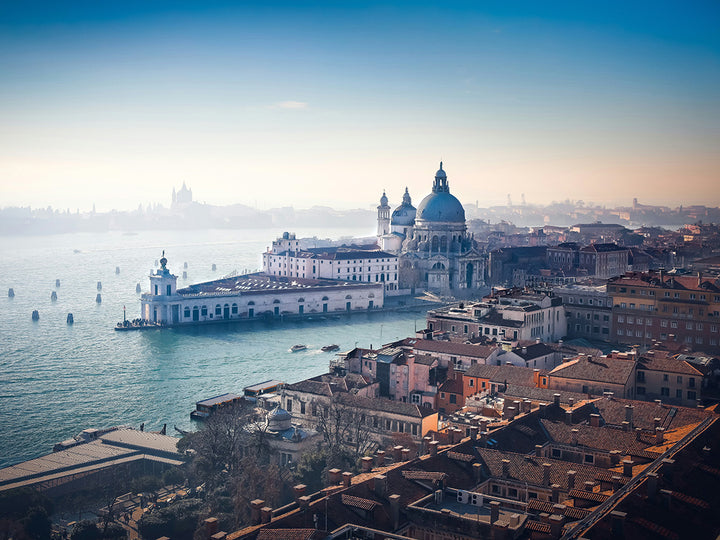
{"x": 293, "y": 103}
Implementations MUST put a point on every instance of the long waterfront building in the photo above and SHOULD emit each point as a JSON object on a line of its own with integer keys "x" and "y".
{"x": 252, "y": 296}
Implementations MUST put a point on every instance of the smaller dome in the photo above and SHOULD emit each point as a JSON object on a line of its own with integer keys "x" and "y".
{"x": 279, "y": 419}
{"x": 440, "y": 173}
{"x": 383, "y": 200}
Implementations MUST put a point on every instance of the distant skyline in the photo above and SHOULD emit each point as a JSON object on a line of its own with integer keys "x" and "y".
{"x": 274, "y": 104}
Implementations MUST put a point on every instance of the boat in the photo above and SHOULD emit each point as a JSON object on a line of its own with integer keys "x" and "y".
{"x": 296, "y": 348}
{"x": 330, "y": 348}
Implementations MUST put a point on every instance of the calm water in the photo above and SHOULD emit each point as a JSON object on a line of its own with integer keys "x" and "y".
{"x": 56, "y": 379}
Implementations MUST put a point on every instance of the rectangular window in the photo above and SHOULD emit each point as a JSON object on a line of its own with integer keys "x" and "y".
{"x": 589, "y": 458}
{"x": 691, "y": 394}
{"x": 678, "y": 393}
{"x": 665, "y": 391}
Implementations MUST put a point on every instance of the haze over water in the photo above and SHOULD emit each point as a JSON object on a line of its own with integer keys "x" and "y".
{"x": 57, "y": 379}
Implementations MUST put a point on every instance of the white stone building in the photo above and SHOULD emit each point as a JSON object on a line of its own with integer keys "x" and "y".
{"x": 252, "y": 296}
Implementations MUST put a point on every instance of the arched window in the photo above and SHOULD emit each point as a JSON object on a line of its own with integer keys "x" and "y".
{"x": 234, "y": 309}
{"x": 301, "y": 299}
{"x": 218, "y": 309}
{"x": 434, "y": 243}
{"x": 203, "y": 311}
{"x": 438, "y": 266}
{"x": 186, "y": 312}
{"x": 443, "y": 243}
{"x": 325, "y": 298}
{"x": 348, "y": 297}
{"x": 371, "y": 295}
{"x": 276, "y": 301}
{"x": 251, "y": 303}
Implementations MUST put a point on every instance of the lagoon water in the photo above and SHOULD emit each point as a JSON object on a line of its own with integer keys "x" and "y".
{"x": 57, "y": 379}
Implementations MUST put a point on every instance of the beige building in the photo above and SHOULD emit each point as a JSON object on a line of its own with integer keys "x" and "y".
{"x": 596, "y": 375}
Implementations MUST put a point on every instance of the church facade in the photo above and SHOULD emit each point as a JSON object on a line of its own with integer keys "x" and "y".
{"x": 434, "y": 249}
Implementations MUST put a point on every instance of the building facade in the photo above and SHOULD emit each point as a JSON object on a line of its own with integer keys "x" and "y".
{"x": 588, "y": 310}
{"x": 251, "y": 296}
{"x": 434, "y": 248}
{"x": 654, "y": 306}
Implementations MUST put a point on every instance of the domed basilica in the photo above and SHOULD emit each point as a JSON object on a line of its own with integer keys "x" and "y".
{"x": 434, "y": 249}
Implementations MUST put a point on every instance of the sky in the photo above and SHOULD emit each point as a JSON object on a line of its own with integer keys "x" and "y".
{"x": 329, "y": 103}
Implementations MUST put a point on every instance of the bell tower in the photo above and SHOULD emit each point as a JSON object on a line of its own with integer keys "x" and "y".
{"x": 383, "y": 216}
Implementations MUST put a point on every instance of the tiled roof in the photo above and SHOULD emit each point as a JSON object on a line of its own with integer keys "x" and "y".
{"x": 612, "y": 411}
{"x": 452, "y": 386}
{"x": 512, "y": 375}
{"x": 457, "y": 456}
{"x": 603, "y": 369}
{"x": 548, "y": 507}
{"x": 425, "y": 360}
{"x": 524, "y": 468}
{"x": 664, "y": 361}
{"x": 449, "y": 347}
{"x": 536, "y": 350}
{"x": 544, "y": 395}
{"x": 286, "y": 534}
{"x": 358, "y": 502}
{"x": 386, "y": 405}
{"x": 588, "y": 495}
{"x": 424, "y": 475}
{"x": 601, "y": 438}
{"x": 311, "y": 387}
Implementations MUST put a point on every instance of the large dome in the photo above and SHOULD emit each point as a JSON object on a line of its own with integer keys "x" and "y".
{"x": 441, "y": 206}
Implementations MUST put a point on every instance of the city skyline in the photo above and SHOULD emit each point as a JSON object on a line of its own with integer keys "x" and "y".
{"x": 301, "y": 104}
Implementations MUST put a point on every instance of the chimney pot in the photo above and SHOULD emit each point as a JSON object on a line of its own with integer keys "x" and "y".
{"x": 405, "y": 454}
{"x": 380, "y": 485}
{"x": 266, "y": 514}
{"x": 211, "y": 526}
{"x": 380, "y": 456}
{"x": 627, "y": 467}
{"x": 615, "y": 482}
{"x": 494, "y": 511}
{"x": 589, "y": 485}
{"x": 595, "y": 420}
{"x": 538, "y": 450}
{"x": 571, "y": 479}
{"x": 505, "y": 468}
{"x": 556, "y": 399}
{"x": 434, "y": 448}
{"x": 366, "y": 463}
{"x": 397, "y": 453}
{"x": 346, "y": 478}
{"x": 255, "y": 510}
{"x": 546, "y": 473}
{"x": 574, "y": 436}
{"x": 659, "y": 435}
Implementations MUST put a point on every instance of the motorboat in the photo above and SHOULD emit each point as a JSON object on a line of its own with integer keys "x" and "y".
{"x": 330, "y": 348}
{"x": 296, "y": 348}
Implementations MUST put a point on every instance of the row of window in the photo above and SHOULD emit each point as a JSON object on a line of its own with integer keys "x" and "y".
{"x": 665, "y": 391}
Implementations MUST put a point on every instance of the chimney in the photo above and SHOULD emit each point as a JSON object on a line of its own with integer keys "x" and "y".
{"x": 556, "y": 400}
{"x": 618, "y": 523}
{"x": 380, "y": 485}
{"x": 395, "y": 509}
{"x": 510, "y": 412}
{"x": 397, "y": 453}
{"x": 659, "y": 435}
{"x": 546, "y": 473}
{"x": 211, "y": 526}
{"x": 483, "y": 425}
{"x": 505, "y": 468}
{"x": 366, "y": 463}
{"x": 334, "y": 476}
{"x": 265, "y": 514}
{"x": 221, "y": 535}
{"x": 615, "y": 482}
{"x": 666, "y": 495}
{"x": 589, "y": 485}
{"x": 434, "y": 448}
{"x": 571, "y": 480}
{"x": 574, "y": 436}
{"x": 524, "y": 350}
{"x": 304, "y": 501}
{"x": 380, "y": 456}
{"x": 255, "y": 507}
{"x": 406, "y": 454}
{"x": 595, "y": 420}
{"x": 629, "y": 414}
{"x": 556, "y": 525}
{"x": 555, "y": 493}
{"x": 425, "y": 442}
{"x": 538, "y": 450}
{"x": 494, "y": 511}
{"x": 526, "y": 406}
{"x": 473, "y": 433}
{"x": 656, "y": 422}
{"x": 477, "y": 471}
{"x": 346, "y": 478}
{"x": 651, "y": 485}
{"x": 568, "y": 417}
{"x": 571, "y": 401}
{"x": 638, "y": 434}
{"x": 615, "y": 457}
{"x": 626, "y": 425}
{"x": 627, "y": 467}
{"x": 299, "y": 491}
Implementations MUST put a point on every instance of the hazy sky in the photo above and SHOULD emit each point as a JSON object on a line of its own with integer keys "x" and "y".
{"x": 295, "y": 103}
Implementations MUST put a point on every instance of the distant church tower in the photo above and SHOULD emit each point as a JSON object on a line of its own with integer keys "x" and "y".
{"x": 383, "y": 216}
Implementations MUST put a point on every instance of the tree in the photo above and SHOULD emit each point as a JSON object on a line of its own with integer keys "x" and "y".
{"x": 344, "y": 425}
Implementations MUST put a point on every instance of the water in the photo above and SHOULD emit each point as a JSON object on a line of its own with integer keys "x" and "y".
{"x": 57, "y": 379}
